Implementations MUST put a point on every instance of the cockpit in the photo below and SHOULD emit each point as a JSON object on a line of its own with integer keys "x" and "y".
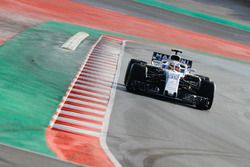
{"x": 175, "y": 58}
{"x": 171, "y": 62}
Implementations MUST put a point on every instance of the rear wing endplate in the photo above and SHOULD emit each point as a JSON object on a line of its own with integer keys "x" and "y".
{"x": 189, "y": 63}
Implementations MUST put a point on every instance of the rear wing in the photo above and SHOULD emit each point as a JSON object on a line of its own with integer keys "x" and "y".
{"x": 161, "y": 56}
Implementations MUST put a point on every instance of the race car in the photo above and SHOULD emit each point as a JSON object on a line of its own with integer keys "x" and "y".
{"x": 170, "y": 76}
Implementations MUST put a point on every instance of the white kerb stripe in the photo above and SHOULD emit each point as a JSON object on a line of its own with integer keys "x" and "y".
{"x": 100, "y": 64}
{"x": 89, "y": 110}
{"x": 104, "y": 53}
{"x": 96, "y": 85}
{"x": 96, "y": 57}
{"x": 89, "y": 98}
{"x": 73, "y": 42}
{"x": 98, "y": 73}
{"x": 76, "y": 122}
{"x": 91, "y": 93}
{"x": 101, "y": 70}
{"x": 76, "y": 130}
{"x": 87, "y": 103}
{"x": 97, "y": 77}
{"x": 95, "y": 80}
{"x": 101, "y": 67}
{"x": 82, "y": 116}
{"x": 93, "y": 88}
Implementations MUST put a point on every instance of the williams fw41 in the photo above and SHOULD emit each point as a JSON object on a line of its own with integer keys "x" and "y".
{"x": 170, "y": 76}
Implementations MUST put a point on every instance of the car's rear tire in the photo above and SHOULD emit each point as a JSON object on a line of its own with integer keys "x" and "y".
{"x": 137, "y": 73}
{"x": 132, "y": 61}
{"x": 206, "y": 90}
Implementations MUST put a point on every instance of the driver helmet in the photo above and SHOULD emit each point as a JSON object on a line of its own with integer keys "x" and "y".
{"x": 177, "y": 68}
{"x": 171, "y": 66}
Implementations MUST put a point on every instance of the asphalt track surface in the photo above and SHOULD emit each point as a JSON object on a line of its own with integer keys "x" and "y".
{"x": 11, "y": 24}
{"x": 12, "y": 157}
{"x": 235, "y": 10}
{"x": 146, "y": 131}
{"x": 175, "y": 19}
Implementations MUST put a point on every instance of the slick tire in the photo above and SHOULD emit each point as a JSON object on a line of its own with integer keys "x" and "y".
{"x": 137, "y": 73}
{"x": 131, "y": 62}
{"x": 207, "y": 89}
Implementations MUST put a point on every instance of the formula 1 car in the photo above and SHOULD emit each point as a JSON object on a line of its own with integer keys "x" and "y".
{"x": 170, "y": 76}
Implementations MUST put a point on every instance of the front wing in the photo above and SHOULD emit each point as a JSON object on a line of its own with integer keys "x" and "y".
{"x": 150, "y": 89}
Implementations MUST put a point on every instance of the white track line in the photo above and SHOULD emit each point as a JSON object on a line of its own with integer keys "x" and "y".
{"x": 103, "y": 138}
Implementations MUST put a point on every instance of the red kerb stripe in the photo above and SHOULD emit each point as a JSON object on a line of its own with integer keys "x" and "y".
{"x": 81, "y": 119}
{"x": 77, "y": 126}
{"x": 100, "y": 86}
{"x": 90, "y": 90}
{"x": 87, "y": 100}
{"x": 96, "y": 82}
{"x": 85, "y": 106}
{"x": 82, "y": 111}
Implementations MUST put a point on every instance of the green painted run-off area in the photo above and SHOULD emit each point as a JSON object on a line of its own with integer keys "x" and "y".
{"x": 34, "y": 75}
{"x": 195, "y": 14}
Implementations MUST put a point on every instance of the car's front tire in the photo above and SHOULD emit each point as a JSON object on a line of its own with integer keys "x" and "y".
{"x": 206, "y": 90}
{"x": 137, "y": 73}
{"x": 131, "y": 62}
